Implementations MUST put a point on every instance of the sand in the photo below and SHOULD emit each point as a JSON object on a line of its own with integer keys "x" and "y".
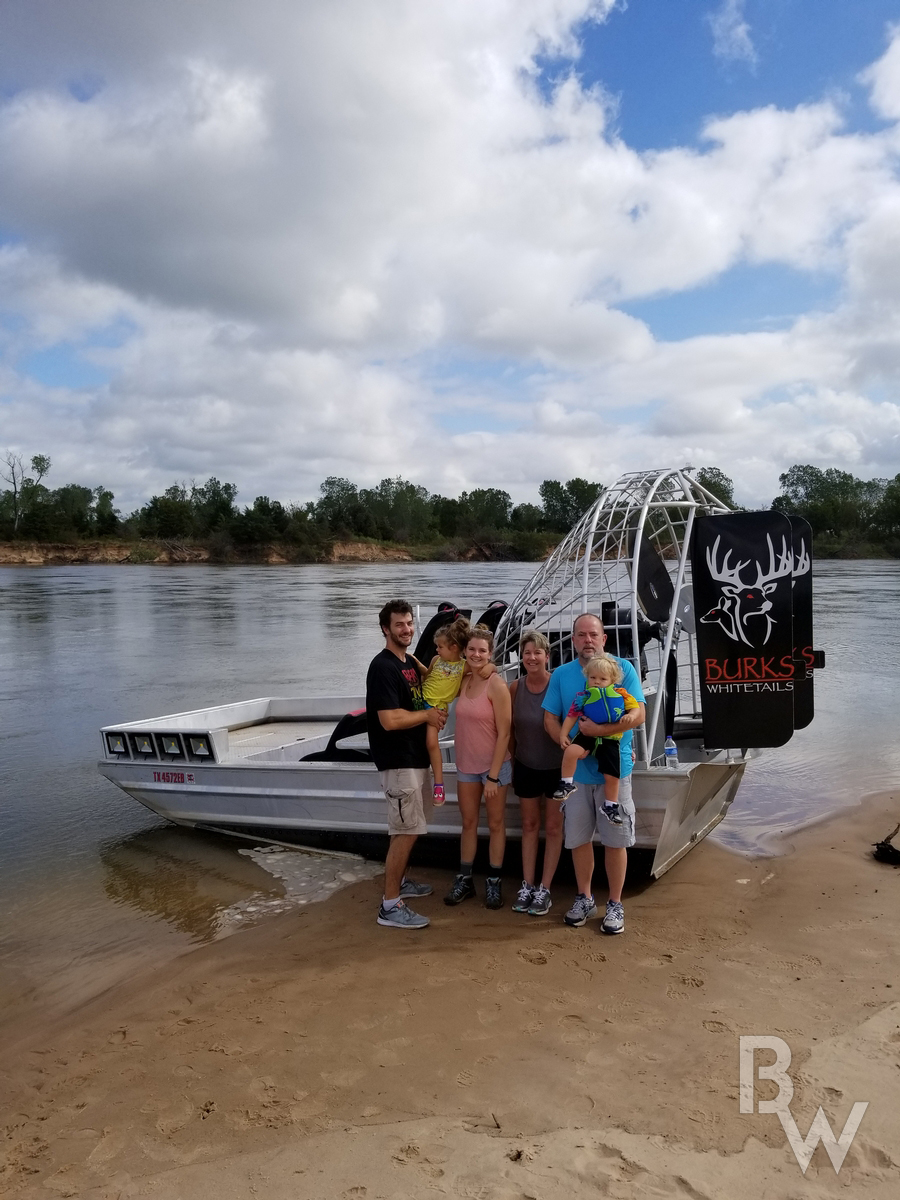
{"x": 492, "y": 1055}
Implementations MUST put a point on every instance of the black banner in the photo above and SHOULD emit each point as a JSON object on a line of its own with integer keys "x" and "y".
{"x": 743, "y": 576}
{"x": 803, "y": 622}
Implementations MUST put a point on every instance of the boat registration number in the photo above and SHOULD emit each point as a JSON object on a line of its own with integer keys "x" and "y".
{"x": 172, "y": 777}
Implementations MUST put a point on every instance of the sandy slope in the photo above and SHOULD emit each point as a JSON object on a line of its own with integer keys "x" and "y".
{"x": 492, "y": 1055}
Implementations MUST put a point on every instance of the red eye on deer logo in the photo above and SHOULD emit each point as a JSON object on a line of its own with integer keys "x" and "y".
{"x": 744, "y": 609}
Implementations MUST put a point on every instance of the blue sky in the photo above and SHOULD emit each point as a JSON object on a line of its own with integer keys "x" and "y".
{"x": 283, "y": 242}
{"x": 656, "y": 58}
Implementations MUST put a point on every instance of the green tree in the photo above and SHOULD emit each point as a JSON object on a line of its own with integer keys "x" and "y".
{"x": 527, "y": 517}
{"x": 401, "y": 511}
{"x": 565, "y": 504}
{"x": 106, "y": 518}
{"x": 718, "y": 483}
{"x": 485, "y": 510}
{"x": 339, "y": 508}
{"x": 167, "y": 516}
{"x": 266, "y": 521}
{"x": 212, "y": 506}
{"x": 833, "y": 501}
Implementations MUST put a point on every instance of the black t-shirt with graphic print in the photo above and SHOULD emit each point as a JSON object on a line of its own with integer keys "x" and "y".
{"x": 394, "y": 683}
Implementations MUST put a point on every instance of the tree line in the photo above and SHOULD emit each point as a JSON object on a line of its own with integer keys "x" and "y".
{"x": 849, "y": 516}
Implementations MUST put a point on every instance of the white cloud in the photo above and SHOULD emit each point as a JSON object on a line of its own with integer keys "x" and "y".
{"x": 319, "y": 229}
{"x": 731, "y": 33}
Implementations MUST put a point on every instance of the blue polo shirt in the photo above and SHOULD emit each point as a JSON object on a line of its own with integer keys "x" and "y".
{"x": 565, "y": 684}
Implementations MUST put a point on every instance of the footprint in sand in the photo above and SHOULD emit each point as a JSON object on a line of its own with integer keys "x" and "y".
{"x": 690, "y": 981}
{"x": 574, "y": 1029}
{"x": 406, "y": 1154}
{"x": 717, "y": 1027}
{"x": 465, "y": 1079}
{"x": 537, "y": 958}
{"x": 674, "y": 994}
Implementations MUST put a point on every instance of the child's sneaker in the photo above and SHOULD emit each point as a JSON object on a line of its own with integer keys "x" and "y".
{"x": 612, "y": 813}
{"x": 522, "y": 902}
{"x": 565, "y": 790}
{"x": 438, "y": 794}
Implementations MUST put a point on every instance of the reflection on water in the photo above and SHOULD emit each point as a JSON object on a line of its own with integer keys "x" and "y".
{"x": 93, "y": 887}
{"x": 185, "y": 878}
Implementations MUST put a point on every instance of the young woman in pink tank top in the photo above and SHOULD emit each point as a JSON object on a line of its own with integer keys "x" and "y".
{"x": 483, "y": 768}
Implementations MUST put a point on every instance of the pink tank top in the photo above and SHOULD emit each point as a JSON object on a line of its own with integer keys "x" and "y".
{"x": 476, "y": 733}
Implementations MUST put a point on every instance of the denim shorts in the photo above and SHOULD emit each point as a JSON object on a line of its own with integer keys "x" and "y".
{"x": 481, "y": 777}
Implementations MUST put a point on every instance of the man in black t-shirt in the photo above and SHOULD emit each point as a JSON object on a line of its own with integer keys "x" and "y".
{"x": 396, "y": 717}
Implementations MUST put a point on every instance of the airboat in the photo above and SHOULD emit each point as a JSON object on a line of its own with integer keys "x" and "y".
{"x": 652, "y": 552}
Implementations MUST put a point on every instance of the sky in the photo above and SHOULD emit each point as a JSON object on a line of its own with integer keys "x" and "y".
{"x": 470, "y": 244}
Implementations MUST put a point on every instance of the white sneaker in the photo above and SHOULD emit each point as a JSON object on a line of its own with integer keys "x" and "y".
{"x": 614, "y": 921}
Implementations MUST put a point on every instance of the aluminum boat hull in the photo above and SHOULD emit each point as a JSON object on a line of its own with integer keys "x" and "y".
{"x": 259, "y": 782}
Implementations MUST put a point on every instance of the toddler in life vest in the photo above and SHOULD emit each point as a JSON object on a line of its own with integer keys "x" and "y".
{"x": 604, "y": 703}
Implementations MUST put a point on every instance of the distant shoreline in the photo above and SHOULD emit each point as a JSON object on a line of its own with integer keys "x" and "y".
{"x": 159, "y": 552}
{"x": 169, "y": 553}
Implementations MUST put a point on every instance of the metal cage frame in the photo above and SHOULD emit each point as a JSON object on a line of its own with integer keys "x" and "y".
{"x": 598, "y": 564}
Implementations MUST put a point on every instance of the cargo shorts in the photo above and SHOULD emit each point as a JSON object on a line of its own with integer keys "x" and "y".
{"x": 404, "y": 791}
{"x": 584, "y": 817}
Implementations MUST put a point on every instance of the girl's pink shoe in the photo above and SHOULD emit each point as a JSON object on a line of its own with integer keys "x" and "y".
{"x": 438, "y": 793}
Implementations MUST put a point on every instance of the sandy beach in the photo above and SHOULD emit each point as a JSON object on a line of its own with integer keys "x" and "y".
{"x": 492, "y": 1055}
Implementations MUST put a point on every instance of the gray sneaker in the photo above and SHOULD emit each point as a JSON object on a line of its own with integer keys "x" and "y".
{"x": 564, "y": 791}
{"x": 410, "y": 888}
{"x": 523, "y": 900}
{"x": 541, "y": 904}
{"x": 582, "y": 910}
{"x": 402, "y": 917}
{"x": 614, "y": 921}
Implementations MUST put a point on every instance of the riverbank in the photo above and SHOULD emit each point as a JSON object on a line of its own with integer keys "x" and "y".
{"x": 223, "y": 552}
{"x": 490, "y": 1055}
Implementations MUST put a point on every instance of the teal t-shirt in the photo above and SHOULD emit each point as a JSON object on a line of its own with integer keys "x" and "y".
{"x": 565, "y": 684}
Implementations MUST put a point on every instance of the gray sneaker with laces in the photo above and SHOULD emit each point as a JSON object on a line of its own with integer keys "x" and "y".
{"x": 541, "y": 904}
{"x": 582, "y": 910}
{"x": 614, "y": 921}
{"x": 522, "y": 902}
{"x": 402, "y": 917}
{"x": 409, "y": 887}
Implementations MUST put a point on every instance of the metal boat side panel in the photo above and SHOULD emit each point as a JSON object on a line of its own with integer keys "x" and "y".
{"x": 695, "y": 809}
{"x": 348, "y": 796}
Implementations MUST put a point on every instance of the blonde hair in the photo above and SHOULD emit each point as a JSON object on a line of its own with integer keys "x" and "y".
{"x": 456, "y": 634}
{"x": 481, "y": 633}
{"x": 603, "y": 662}
{"x": 535, "y": 638}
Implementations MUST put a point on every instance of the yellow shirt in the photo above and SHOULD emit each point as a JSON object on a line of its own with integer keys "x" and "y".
{"x": 441, "y": 685}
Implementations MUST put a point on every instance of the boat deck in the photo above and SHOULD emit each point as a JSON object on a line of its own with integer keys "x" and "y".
{"x": 243, "y": 743}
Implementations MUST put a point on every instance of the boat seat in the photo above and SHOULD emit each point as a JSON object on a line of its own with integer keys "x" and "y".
{"x": 352, "y": 724}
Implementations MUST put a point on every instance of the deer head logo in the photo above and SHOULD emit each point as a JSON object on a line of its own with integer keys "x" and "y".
{"x": 744, "y": 610}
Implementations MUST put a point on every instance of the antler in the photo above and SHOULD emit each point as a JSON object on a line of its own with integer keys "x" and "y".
{"x": 784, "y": 566}
{"x": 801, "y": 564}
{"x": 725, "y": 573}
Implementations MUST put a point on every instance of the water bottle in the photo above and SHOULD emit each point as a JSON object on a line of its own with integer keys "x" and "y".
{"x": 671, "y": 752}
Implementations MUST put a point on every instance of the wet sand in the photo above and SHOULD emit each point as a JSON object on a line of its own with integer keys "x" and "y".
{"x": 492, "y": 1055}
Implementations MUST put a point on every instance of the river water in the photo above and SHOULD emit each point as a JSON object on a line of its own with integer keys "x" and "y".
{"x": 94, "y": 887}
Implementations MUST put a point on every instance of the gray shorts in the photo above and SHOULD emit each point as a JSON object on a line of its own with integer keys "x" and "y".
{"x": 404, "y": 790}
{"x": 584, "y": 816}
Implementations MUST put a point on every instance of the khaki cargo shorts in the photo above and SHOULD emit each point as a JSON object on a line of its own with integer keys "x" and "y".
{"x": 404, "y": 790}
